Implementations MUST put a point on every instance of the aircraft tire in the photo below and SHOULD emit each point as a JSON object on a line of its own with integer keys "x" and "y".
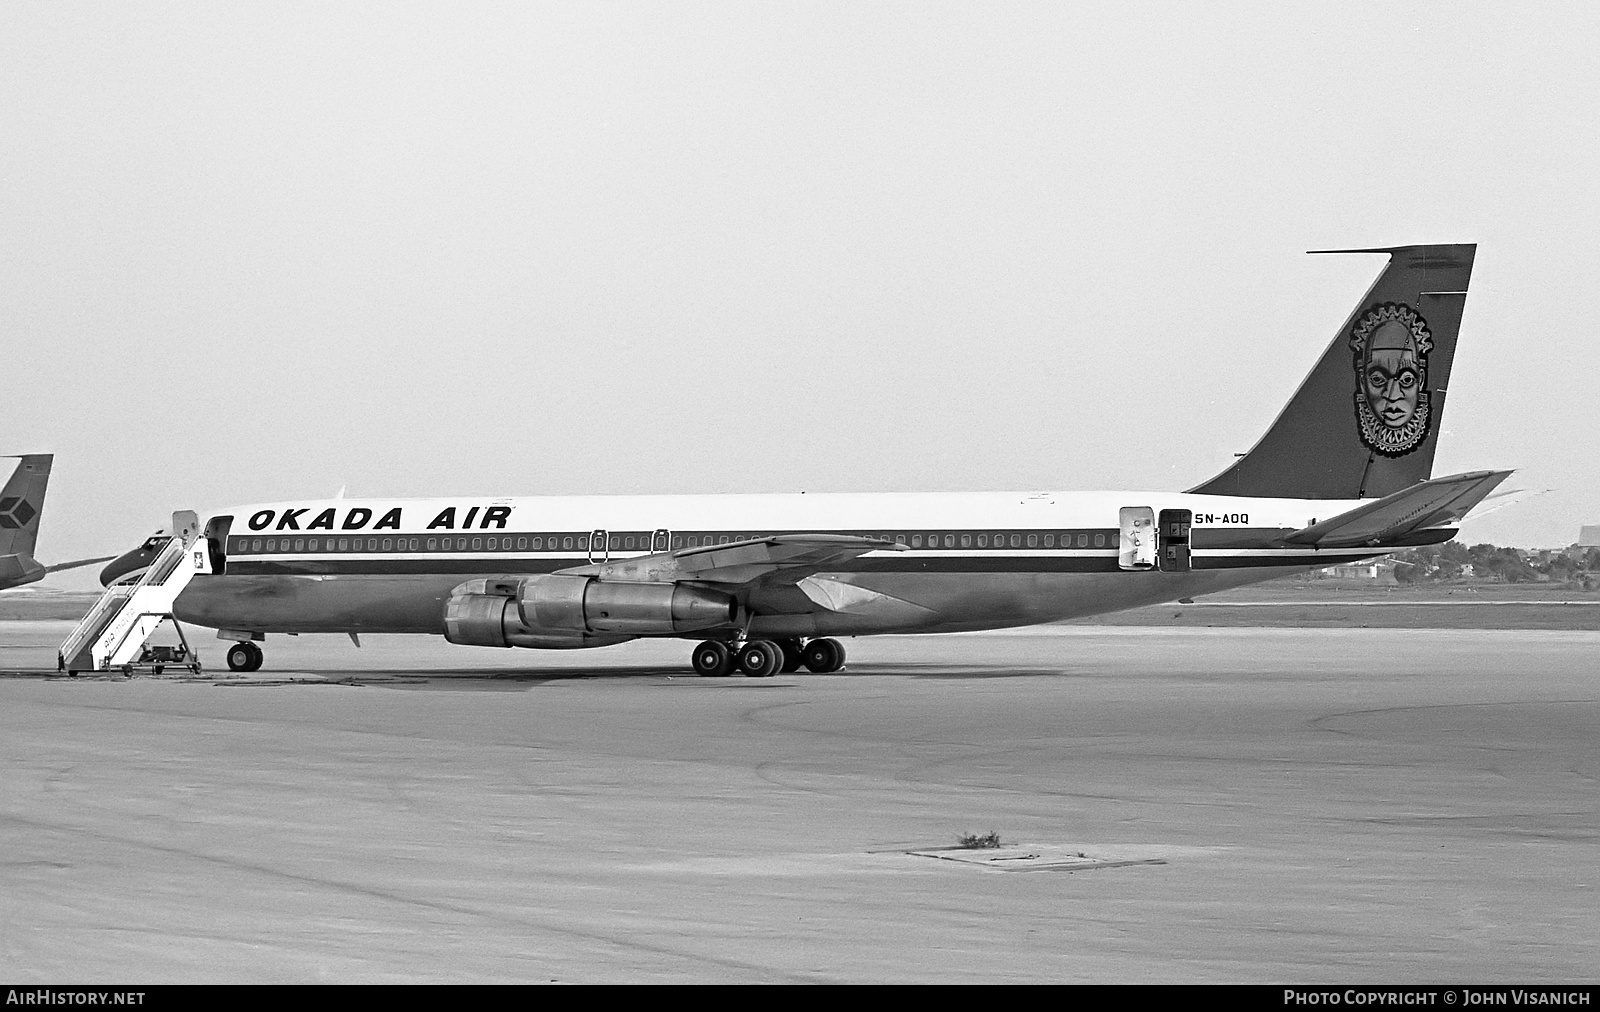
{"x": 240, "y": 657}
{"x": 760, "y": 658}
{"x": 256, "y": 657}
{"x": 713, "y": 659}
{"x": 824, "y": 656}
{"x": 794, "y": 655}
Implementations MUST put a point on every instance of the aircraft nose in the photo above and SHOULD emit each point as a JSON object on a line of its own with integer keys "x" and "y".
{"x": 122, "y": 565}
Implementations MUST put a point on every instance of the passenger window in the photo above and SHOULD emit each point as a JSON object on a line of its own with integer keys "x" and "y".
{"x": 983, "y": 541}
{"x": 343, "y": 544}
{"x": 257, "y": 546}
{"x": 492, "y": 544}
{"x": 1049, "y": 540}
{"x": 566, "y": 543}
{"x": 477, "y": 543}
{"x": 916, "y": 541}
{"x": 433, "y": 544}
{"x": 629, "y": 543}
{"x": 372, "y": 544}
{"x": 949, "y": 540}
{"x": 1083, "y": 541}
{"x": 1033, "y": 541}
{"x": 522, "y": 543}
{"x": 272, "y": 545}
{"x": 677, "y": 542}
{"x": 722, "y": 540}
{"x": 1116, "y": 539}
{"x": 413, "y": 544}
{"x": 388, "y": 545}
{"x": 899, "y": 539}
{"x": 311, "y": 545}
{"x": 1016, "y": 541}
{"x": 999, "y": 540}
{"x": 1099, "y": 540}
{"x": 966, "y": 541}
{"x": 299, "y": 544}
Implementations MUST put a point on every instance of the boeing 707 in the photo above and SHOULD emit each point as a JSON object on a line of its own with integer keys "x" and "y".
{"x": 769, "y": 583}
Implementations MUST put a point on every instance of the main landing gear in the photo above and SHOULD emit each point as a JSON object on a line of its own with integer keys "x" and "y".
{"x": 764, "y": 658}
{"x": 245, "y": 656}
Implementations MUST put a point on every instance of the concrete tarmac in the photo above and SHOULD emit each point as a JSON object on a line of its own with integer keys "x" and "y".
{"x": 1270, "y": 805}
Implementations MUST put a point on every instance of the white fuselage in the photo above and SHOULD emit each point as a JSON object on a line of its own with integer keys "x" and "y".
{"x": 971, "y": 560}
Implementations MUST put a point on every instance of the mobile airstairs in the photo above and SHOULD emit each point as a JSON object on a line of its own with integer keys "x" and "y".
{"x": 112, "y": 636}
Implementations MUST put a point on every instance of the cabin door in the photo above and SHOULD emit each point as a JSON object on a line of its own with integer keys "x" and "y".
{"x": 661, "y": 541}
{"x": 599, "y": 546}
{"x": 1173, "y": 540}
{"x": 1136, "y": 544}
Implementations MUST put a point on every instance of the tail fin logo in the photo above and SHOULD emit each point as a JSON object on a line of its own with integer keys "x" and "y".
{"x": 15, "y": 512}
{"x": 1389, "y": 346}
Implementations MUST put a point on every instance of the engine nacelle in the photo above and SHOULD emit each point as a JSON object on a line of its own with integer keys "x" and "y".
{"x": 479, "y": 619}
{"x": 566, "y": 612}
{"x": 556, "y": 604}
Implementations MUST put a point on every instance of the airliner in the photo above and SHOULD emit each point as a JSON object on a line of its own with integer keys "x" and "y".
{"x": 21, "y": 506}
{"x": 770, "y": 583}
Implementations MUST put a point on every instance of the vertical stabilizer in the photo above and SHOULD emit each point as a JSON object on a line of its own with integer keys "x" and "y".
{"x": 1366, "y": 421}
{"x": 21, "y": 502}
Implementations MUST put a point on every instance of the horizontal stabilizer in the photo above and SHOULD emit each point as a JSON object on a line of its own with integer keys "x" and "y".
{"x": 1425, "y": 504}
{"x": 58, "y": 567}
{"x": 794, "y": 555}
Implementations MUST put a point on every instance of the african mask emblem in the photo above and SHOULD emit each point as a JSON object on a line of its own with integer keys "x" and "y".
{"x": 1389, "y": 346}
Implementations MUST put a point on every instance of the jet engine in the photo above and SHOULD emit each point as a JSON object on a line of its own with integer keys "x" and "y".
{"x": 577, "y": 611}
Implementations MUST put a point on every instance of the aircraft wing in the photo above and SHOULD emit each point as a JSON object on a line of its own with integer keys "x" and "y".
{"x": 1426, "y": 504}
{"x": 58, "y": 567}
{"x": 781, "y": 558}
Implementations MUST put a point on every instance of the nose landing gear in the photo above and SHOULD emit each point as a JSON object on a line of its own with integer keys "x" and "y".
{"x": 762, "y": 658}
{"x": 245, "y": 656}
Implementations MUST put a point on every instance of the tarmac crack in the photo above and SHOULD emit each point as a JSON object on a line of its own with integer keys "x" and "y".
{"x": 350, "y": 888}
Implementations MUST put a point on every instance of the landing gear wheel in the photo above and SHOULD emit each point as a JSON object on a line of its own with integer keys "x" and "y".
{"x": 760, "y": 658}
{"x": 713, "y": 659}
{"x": 794, "y": 655}
{"x": 824, "y": 656}
{"x": 245, "y": 656}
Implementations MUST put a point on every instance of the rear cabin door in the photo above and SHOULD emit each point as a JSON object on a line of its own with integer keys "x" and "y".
{"x": 1136, "y": 543}
{"x": 661, "y": 541}
{"x": 1172, "y": 540}
{"x": 599, "y": 546}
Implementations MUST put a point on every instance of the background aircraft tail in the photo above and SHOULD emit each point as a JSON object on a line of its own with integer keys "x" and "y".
{"x": 21, "y": 502}
{"x": 1365, "y": 422}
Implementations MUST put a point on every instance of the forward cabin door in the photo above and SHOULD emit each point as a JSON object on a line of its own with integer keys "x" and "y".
{"x": 1173, "y": 540}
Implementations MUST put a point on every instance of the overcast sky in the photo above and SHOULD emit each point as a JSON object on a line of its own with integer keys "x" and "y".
{"x": 262, "y": 251}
